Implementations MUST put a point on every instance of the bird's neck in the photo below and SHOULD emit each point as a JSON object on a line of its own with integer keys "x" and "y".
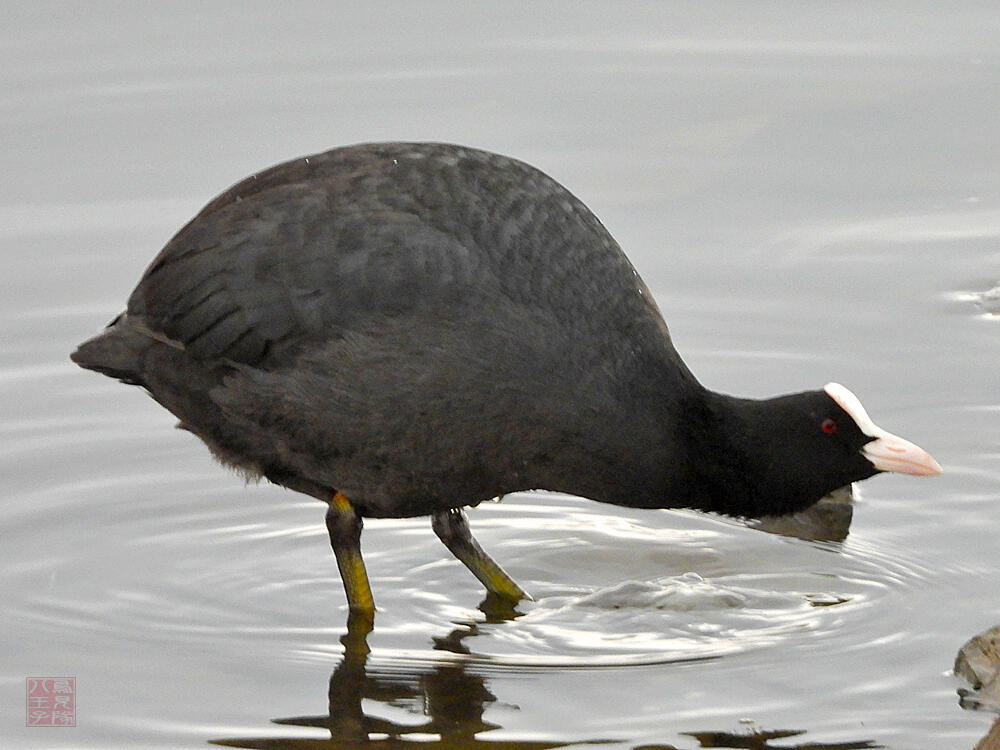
{"x": 725, "y": 467}
{"x": 739, "y": 461}
{"x": 702, "y": 450}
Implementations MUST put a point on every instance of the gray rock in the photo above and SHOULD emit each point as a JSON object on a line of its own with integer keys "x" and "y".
{"x": 978, "y": 662}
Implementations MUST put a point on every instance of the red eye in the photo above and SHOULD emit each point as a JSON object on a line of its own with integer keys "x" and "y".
{"x": 829, "y": 426}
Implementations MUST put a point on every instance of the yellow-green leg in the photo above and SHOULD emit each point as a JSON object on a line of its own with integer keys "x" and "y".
{"x": 344, "y": 525}
{"x": 452, "y": 528}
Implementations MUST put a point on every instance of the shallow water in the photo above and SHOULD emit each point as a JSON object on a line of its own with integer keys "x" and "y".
{"x": 810, "y": 195}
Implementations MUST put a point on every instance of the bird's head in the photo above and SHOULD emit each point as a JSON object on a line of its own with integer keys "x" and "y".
{"x": 785, "y": 453}
{"x": 881, "y": 449}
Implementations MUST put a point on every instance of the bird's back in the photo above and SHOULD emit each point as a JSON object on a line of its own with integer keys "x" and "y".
{"x": 411, "y": 324}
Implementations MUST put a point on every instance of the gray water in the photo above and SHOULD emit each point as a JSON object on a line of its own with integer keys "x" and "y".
{"x": 812, "y": 192}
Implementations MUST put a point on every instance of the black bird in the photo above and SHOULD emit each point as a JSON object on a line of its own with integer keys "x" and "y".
{"x": 406, "y": 329}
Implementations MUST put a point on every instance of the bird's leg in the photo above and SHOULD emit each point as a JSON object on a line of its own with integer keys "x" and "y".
{"x": 452, "y": 528}
{"x": 344, "y": 525}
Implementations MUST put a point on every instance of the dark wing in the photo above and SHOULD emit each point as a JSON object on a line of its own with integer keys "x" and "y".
{"x": 295, "y": 256}
{"x": 307, "y": 250}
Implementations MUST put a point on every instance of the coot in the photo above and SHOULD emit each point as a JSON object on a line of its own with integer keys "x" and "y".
{"x": 406, "y": 329}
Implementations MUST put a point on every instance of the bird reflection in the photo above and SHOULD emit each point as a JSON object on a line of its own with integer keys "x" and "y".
{"x": 449, "y": 699}
{"x": 761, "y": 740}
{"x": 450, "y": 703}
{"x": 829, "y": 520}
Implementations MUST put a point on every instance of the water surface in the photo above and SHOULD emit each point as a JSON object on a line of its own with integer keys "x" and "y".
{"x": 811, "y": 195}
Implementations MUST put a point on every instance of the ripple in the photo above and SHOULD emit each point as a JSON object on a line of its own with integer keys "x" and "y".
{"x": 215, "y": 564}
{"x": 988, "y": 300}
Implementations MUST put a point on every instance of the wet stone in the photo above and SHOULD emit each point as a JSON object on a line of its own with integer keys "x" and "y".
{"x": 978, "y": 662}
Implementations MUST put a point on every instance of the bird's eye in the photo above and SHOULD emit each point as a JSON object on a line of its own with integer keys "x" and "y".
{"x": 829, "y": 426}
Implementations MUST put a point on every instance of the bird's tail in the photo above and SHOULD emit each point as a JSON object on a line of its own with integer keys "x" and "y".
{"x": 118, "y": 352}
